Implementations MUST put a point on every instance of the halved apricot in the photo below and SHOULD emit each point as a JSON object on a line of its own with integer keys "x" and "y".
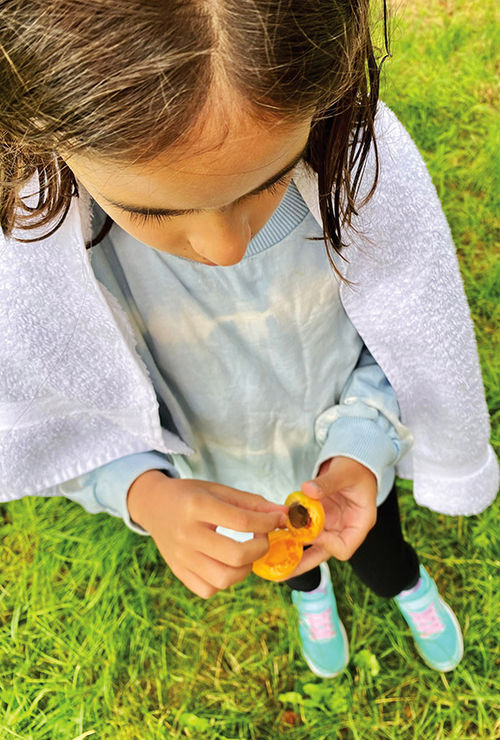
{"x": 306, "y": 517}
{"x": 283, "y": 556}
{"x": 305, "y": 521}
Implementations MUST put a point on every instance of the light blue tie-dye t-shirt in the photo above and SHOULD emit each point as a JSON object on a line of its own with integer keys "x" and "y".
{"x": 253, "y": 352}
{"x": 255, "y": 358}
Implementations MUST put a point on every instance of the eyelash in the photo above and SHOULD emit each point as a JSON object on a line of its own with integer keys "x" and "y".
{"x": 161, "y": 218}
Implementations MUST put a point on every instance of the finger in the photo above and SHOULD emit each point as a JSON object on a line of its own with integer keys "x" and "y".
{"x": 246, "y": 500}
{"x": 220, "y": 513}
{"x": 194, "y": 583}
{"x": 311, "y": 489}
{"x": 228, "y": 551}
{"x": 205, "y": 575}
{"x": 337, "y": 476}
{"x": 343, "y": 544}
{"x": 217, "y": 574}
{"x": 343, "y": 474}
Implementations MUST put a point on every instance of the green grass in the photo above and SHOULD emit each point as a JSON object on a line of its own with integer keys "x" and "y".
{"x": 98, "y": 640}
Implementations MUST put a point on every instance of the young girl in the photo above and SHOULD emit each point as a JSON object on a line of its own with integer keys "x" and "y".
{"x": 208, "y": 355}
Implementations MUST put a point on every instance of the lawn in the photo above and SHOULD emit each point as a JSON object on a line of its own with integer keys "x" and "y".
{"x": 99, "y": 640}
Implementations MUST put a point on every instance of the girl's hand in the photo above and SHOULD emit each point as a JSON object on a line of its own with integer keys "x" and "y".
{"x": 348, "y": 492}
{"x": 182, "y": 515}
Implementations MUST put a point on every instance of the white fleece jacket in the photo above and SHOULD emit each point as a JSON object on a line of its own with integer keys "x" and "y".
{"x": 75, "y": 394}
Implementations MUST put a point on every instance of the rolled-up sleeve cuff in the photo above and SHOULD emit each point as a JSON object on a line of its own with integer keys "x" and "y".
{"x": 364, "y": 441}
{"x": 116, "y": 477}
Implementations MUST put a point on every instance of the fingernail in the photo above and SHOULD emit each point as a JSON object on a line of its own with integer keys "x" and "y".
{"x": 313, "y": 485}
{"x": 282, "y": 521}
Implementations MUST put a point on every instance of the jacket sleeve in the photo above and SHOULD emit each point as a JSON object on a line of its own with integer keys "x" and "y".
{"x": 105, "y": 489}
{"x": 365, "y": 425}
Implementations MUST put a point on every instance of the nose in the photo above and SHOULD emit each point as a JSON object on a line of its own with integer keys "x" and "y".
{"x": 221, "y": 237}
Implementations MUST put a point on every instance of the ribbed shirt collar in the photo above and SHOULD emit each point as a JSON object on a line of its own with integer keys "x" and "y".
{"x": 290, "y": 213}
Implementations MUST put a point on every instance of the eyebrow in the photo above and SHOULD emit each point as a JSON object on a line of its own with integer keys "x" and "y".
{"x": 144, "y": 210}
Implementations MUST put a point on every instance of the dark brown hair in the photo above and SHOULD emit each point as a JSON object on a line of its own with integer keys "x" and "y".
{"x": 126, "y": 79}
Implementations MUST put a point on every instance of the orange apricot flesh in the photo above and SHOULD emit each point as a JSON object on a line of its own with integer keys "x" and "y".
{"x": 283, "y": 556}
{"x": 305, "y": 521}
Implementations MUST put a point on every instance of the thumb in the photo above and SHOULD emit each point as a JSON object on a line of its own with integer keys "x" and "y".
{"x": 312, "y": 489}
{"x": 330, "y": 479}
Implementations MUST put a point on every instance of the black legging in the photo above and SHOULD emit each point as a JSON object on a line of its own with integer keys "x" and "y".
{"x": 385, "y": 562}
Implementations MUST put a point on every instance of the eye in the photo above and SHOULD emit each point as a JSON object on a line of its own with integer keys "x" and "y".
{"x": 276, "y": 186}
{"x": 148, "y": 218}
{"x": 159, "y": 218}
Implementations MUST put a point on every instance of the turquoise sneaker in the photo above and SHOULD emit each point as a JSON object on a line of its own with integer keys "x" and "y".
{"x": 323, "y": 637}
{"x": 435, "y": 628}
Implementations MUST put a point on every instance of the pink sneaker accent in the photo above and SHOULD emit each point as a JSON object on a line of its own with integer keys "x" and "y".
{"x": 321, "y": 625}
{"x": 428, "y": 622}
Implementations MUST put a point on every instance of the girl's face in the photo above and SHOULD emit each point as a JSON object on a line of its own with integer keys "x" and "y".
{"x": 206, "y": 201}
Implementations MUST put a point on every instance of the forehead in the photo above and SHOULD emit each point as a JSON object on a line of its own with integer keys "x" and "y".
{"x": 219, "y": 161}
{"x": 235, "y": 147}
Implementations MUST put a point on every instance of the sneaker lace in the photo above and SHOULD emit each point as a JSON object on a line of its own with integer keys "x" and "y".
{"x": 320, "y": 625}
{"x": 427, "y": 622}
